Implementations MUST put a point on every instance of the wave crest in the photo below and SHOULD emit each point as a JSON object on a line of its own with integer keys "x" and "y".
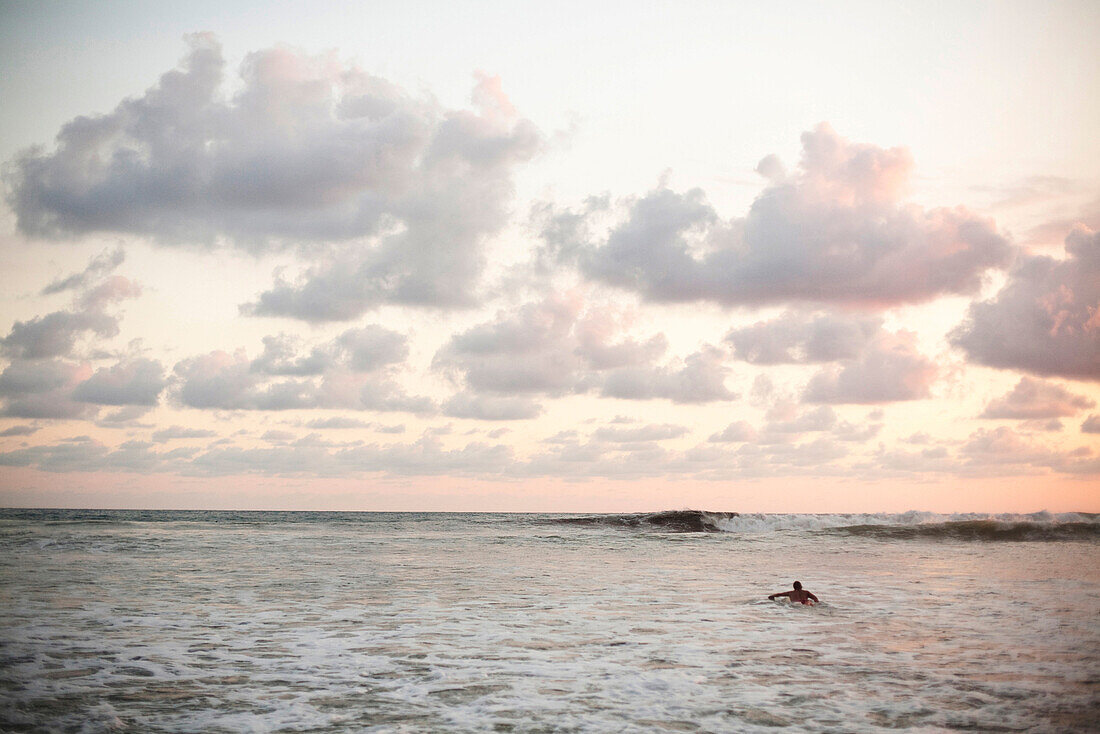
{"x": 900, "y": 526}
{"x": 678, "y": 521}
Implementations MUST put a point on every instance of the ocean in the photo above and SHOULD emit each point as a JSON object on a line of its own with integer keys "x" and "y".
{"x": 158, "y": 621}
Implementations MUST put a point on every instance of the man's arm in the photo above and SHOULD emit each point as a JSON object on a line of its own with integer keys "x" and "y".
{"x": 816, "y": 600}
{"x": 782, "y": 593}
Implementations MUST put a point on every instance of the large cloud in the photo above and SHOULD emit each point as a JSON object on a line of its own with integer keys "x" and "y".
{"x": 560, "y": 346}
{"x": 309, "y": 150}
{"x": 1046, "y": 320}
{"x": 356, "y": 371}
{"x": 836, "y": 231}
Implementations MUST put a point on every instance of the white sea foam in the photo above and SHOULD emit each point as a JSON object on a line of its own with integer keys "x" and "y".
{"x": 768, "y": 523}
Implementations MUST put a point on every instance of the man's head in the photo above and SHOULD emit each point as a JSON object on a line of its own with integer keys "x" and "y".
{"x": 798, "y": 584}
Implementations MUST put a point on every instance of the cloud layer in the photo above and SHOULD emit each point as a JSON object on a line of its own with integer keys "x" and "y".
{"x": 375, "y": 199}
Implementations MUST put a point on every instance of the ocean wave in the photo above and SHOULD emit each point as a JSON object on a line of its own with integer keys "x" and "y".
{"x": 914, "y": 525}
{"x": 677, "y": 521}
{"x": 980, "y": 530}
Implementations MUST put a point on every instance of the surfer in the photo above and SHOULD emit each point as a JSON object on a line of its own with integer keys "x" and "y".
{"x": 798, "y": 594}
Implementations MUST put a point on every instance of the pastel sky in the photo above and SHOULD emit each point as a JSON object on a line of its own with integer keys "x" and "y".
{"x": 573, "y": 256}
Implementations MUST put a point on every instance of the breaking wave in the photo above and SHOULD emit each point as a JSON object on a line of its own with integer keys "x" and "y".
{"x": 677, "y": 521}
{"x": 907, "y": 525}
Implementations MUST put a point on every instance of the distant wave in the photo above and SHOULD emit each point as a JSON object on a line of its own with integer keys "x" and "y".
{"x": 678, "y": 521}
{"x": 907, "y": 525}
{"x": 981, "y": 530}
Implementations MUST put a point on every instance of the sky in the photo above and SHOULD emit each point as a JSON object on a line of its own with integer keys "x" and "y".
{"x": 576, "y": 256}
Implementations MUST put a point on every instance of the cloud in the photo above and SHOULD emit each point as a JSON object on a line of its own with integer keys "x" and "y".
{"x": 651, "y": 432}
{"x": 100, "y": 266}
{"x": 359, "y": 350}
{"x": 530, "y": 350}
{"x": 1033, "y": 399}
{"x": 1046, "y": 319}
{"x": 466, "y": 404}
{"x": 55, "y": 334}
{"x": 561, "y": 346}
{"x": 308, "y": 150}
{"x": 856, "y": 432}
{"x": 42, "y": 381}
{"x": 356, "y": 371}
{"x": 798, "y": 338}
{"x": 43, "y": 389}
{"x": 818, "y": 419}
{"x": 1003, "y": 446}
{"x": 18, "y": 431}
{"x": 1091, "y": 424}
{"x": 736, "y": 432}
{"x": 699, "y": 378}
{"x": 126, "y": 416}
{"x": 174, "y": 432}
{"x": 373, "y": 347}
{"x": 133, "y": 382}
{"x": 338, "y": 423}
{"x": 836, "y": 231}
{"x": 95, "y": 289}
{"x": 891, "y": 369}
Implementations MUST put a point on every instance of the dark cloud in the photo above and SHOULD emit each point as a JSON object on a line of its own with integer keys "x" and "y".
{"x": 132, "y": 382}
{"x": 1033, "y": 399}
{"x": 1046, "y": 319}
{"x": 1091, "y": 424}
{"x": 836, "y": 231}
